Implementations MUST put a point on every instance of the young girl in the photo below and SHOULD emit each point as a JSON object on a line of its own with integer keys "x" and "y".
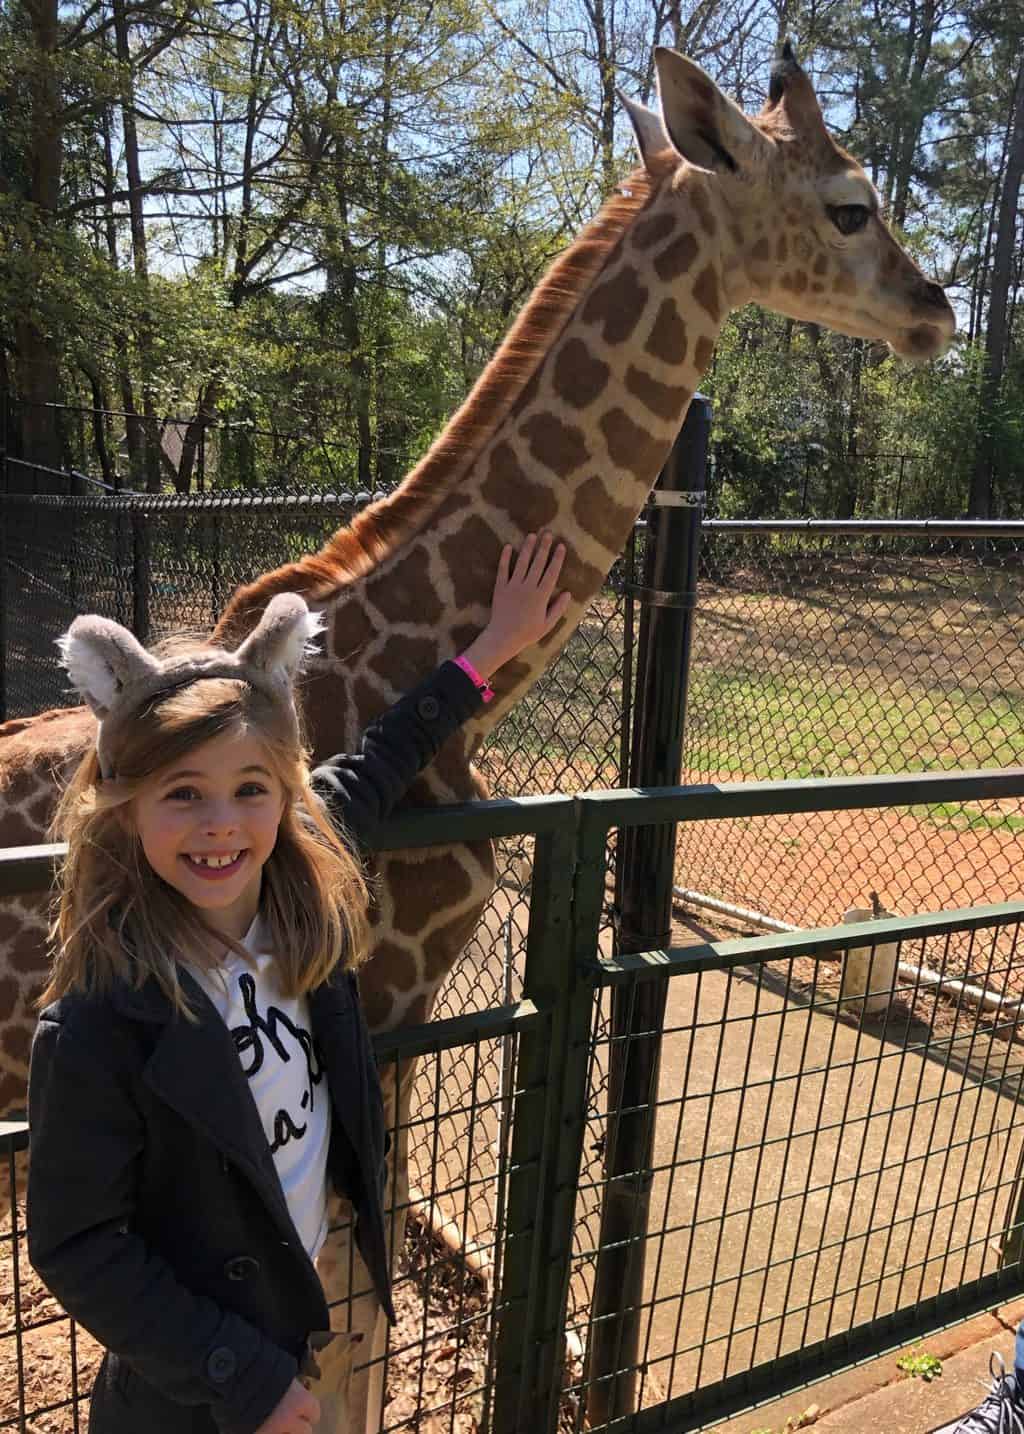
{"x": 202, "y": 1066}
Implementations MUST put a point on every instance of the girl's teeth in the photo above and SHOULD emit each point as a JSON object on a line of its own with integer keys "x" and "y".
{"x": 216, "y": 861}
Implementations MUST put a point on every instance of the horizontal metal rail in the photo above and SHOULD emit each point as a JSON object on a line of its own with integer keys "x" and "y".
{"x": 891, "y": 527}
{"x": 31, "y": 868}
{"x": 712, "y": 801}
{"x": 824, "y": 940}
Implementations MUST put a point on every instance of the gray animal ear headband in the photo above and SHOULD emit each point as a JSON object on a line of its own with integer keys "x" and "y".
{"x": 116, "y": 676}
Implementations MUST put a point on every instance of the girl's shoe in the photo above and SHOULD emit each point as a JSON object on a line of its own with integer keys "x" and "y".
{"x": 1002, "y": 1412}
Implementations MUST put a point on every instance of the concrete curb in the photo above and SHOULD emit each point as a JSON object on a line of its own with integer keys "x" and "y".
{"x": 958, "y": 1386}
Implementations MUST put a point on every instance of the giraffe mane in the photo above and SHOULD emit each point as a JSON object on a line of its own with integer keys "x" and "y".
{"x": 383, "y": 527}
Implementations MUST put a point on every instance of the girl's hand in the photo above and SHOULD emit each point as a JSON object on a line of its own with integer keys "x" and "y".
{"x": 525, "y": 605}
{"x": 297, "y": 1412}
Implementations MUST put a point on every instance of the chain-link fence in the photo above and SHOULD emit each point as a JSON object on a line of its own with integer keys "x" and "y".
{"x": 832, "y": 653}
{"x": 162, "y": 565}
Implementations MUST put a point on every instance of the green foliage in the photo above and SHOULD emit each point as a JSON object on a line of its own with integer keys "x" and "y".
{"x": 344, "y": 210}
{"x": 920, "y": 1366}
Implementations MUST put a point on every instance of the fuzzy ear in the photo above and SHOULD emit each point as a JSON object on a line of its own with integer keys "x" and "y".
{"x": 705, "y": 126}
{"x": 648, "y": 130}
{"x": 282, "y": 638}
{"x": 102, "y": 659}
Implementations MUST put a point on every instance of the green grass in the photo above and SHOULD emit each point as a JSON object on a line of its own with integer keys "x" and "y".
{"x": 774, "y": 729}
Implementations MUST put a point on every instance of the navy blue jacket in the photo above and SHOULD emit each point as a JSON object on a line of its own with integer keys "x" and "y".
{"x": 155, "y": 1212}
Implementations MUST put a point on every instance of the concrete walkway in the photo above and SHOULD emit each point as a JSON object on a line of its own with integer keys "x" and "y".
{"x": 816, "y": 1174}
{"x": 876, "y": 1398}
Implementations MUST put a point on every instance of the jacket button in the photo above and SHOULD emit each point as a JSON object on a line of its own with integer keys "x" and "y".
{"x": 221, "y": 1364}
{"x": 241, "y": 1267}
{"x": 429, "y": 708}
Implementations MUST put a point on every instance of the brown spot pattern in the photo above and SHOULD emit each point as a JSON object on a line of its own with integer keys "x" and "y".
{"x": 821, "y": 264}
{"x": 463, "y": 635}
{"x": 708, "y": 222}
{"x": 598, "y": 514}
{"x": 472, "y": 557}
{"x": 441, "y": 947}
{"x": 404, "y": 661}
{"x": 369, "y": 700}
{"x": 782, "y": 249}
{"x": 702, "y": 353}
{"x": 617, "y": 305}
{"x": 630, "y": 446}
{"x": 706, "y": 292}
{"x": 677, "y": 258}
{"x": 844, "y": 283}
{"x": 377, "y": 1005}
{"x": 417, "y": 1012}
{"x": 653, "y": 230}
{"x": 667, "y": 339}
{"x": 761, "y": 252}
{"x": 405, "y": 592}
{"x": 664, "y": 399}
{"x": 393, "y": 967}
{"x": 17, "y": 1042}
{"x": 532, "y": 505}
{"x": 420, "y": 887}
{"x": 559, "y": 446}
{"x": 580, "y": 579}
{"x": 326, "y": 702}
{"x": 579, "y": 377}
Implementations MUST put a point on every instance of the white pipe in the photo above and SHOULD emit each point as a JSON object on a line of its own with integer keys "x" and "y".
{"x": 920, "y": 975}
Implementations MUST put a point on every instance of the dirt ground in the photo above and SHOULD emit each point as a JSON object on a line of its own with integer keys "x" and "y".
{"x": 437, "y": 1351}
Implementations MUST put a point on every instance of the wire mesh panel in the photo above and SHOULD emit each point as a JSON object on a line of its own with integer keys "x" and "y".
{"x": 819, "y": 656}
{"x": 817, "y": 1173}
{"x": 438, "y": 1358}
{"x": 47, "y": 1362}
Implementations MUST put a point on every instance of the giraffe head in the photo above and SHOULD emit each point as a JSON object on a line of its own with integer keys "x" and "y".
{"x": 805, "y": 233}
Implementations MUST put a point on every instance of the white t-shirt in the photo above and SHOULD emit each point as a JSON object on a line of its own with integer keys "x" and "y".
{"x": 273, "y": 1037}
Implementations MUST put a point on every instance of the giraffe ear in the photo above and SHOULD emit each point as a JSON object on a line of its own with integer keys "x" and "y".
{"x": 648, "y": 129}
{"x": 281, "y": 639}
{"x": 102, "y": 659}
{"x": 705, "y": 126}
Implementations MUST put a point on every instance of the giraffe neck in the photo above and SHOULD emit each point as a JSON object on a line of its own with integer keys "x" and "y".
{"x": 577, "y": 452}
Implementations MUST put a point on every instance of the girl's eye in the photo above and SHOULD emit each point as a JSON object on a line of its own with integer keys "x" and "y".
{"x": 848, "y": 218}
{"x": 252, "y": 789}
{"x": 182, "y": 794}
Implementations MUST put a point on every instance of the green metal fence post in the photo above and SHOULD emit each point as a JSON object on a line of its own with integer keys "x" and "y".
{"x": 644, "y": 878}
{"x": 547, "y": 1137}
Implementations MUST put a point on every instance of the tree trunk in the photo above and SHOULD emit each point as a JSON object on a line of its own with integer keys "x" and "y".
{"x": 985, "y": 458}
{"x": 38, "y": 352}
{"x": 140, "y": 257}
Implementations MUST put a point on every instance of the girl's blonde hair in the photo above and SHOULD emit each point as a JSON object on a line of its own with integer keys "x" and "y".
{"x": 116, "y": 920}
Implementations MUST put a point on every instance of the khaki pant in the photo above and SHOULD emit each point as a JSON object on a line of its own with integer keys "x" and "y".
{"x": 326, "y": 1371}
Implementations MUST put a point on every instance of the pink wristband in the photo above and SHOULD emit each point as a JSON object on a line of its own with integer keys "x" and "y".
{"x": 480, "y": 683}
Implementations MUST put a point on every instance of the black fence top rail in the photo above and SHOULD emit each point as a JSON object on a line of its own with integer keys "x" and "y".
{"x": 229, "y": 500}
{"x": 861, "y": 527}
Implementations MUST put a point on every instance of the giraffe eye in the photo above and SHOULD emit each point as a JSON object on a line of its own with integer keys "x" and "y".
{"x": 848, "y": 218}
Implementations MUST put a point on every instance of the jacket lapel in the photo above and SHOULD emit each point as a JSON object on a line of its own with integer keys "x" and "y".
{"x": 194, "y": 1068}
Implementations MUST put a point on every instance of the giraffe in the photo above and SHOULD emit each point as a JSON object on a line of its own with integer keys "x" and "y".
{"x": 566, "y": 429}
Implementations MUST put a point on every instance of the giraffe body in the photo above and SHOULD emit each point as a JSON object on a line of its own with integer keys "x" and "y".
{"x": 566, "y": 429}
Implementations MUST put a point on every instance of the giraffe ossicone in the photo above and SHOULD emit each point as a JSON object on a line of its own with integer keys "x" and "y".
{"x": 566, "y": 429}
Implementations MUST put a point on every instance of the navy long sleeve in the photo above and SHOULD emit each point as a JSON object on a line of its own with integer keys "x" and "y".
{"x": 361, "y": 789}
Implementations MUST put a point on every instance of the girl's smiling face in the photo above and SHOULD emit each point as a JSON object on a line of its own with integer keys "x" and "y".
{"x": 207, "y": 824}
